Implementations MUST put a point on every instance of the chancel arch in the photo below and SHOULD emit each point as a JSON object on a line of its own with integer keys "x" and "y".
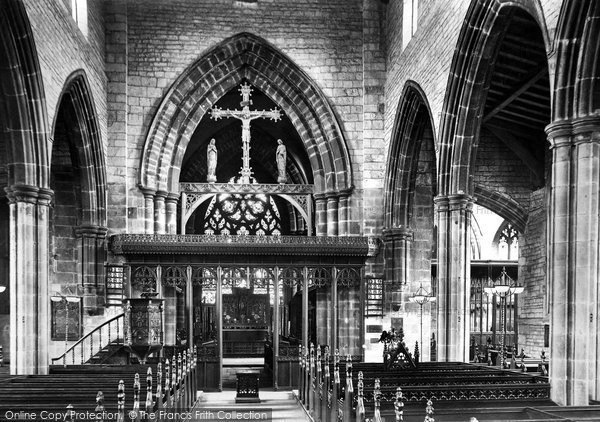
{"x": 493, "y": 148}
{"x": 246, "y": 57}
{"x": 410, "y": 186}
{"x": 78, "y": 213}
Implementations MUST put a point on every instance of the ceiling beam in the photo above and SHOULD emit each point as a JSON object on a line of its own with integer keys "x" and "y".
{"x": 517, "y": 90}
{"x": 516, "y": 146}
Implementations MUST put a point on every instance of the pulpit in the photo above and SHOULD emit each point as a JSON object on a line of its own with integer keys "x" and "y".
{"x": 247, "y": 386}
{"x": 143, "y": 326}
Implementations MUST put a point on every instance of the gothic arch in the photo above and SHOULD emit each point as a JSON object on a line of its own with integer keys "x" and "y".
{"x": 403, "y": 155}
{"x": 215, "y": 73}
{"x": 503, "y": 205}
{"x": 23, "y": 103}
{"x": 90, "y": 151}
{"x": 577, "y": 87}
{"x": 466, "y": 91}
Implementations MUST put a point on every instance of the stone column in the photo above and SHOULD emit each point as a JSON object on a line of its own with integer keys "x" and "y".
{"x": 29, "y": 315}
{"x": 171, "y": 212}
{"x": 397, "y": 241}
{"x": 332, "y": 215}
{"x": 148, "y": 209}
{"x": 573, "y": 260}
{"x": 343, "y": 214}
{"x": 160, "y": 212}
{"x": 454, "y": 217}
{"x": 321, "y": 214}
{"x": 92, "y": 265}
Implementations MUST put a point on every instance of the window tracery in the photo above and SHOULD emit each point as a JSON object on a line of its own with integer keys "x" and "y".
{"x": 242, "y": 214}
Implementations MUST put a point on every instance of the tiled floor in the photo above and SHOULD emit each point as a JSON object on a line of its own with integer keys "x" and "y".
{"x": 282, "y": 405}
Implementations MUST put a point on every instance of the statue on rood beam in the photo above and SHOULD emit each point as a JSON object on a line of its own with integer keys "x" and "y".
{"x": 281, "y": 158}
{"x": 211, "y": 161}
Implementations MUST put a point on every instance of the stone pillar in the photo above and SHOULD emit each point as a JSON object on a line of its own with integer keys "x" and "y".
{"x": 321, "y": 215}
{"x": 92, "y": 266}
{"x": 454, "y": 261}
{"x": 343, "y": 215}
{"x": 171, "y": 212}
{"x": 332, "y": 215}
{"x": 573, "y": 222}
{"x": 160, "y": 212}
{"x": 148, "y": 209}
{"x": 29, "y": 315}
{"x": 397, "y": 242}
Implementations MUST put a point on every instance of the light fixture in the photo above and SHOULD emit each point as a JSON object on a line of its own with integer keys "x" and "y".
{"x": 503, "y": 287}
{"x": 2, "y": 288}
{"x": 421, "y": 297}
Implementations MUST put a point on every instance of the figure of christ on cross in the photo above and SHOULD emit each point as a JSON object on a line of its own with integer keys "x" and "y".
{"x": 246, "y": 116}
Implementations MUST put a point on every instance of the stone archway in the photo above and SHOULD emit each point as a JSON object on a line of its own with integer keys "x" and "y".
{"x": 246, "y": 56}
{"x": 485, "y": 34}
{"x": 410, "y": 186}
{"x": 573, "y": 221}
{"x": 78, "y": 147}
{"x": 23, "y": 124}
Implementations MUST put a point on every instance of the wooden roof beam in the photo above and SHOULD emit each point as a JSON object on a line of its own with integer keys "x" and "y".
{"x": 520, "y": 88}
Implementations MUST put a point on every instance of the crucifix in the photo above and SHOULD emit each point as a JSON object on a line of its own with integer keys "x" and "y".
{"x": 246, "y": 116}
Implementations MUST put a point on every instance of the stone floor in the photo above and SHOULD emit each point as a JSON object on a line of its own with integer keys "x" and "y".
{"x": 274, "y": 406}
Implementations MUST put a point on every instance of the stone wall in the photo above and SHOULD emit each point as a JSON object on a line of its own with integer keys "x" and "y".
{"x": 324, "y": 39}
{"x": 533, "y": 309}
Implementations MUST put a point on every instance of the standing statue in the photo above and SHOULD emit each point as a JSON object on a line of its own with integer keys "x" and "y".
{"x": 281, "y": 158}
{"x": 211, "y": 161}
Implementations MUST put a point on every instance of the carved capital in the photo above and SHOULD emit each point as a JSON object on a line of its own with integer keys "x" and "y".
{"x": 585, "y": 127}
{"x": 91, "y": 231}
{"x": 397, "y": 233}
{"x": 172, "y": 197}
{"x": 161, "y": 195}
{"x": 460, "y": 201}
{"x": 147, "y": 192}
{"x": 560, "y": 133}
{"x": 28, "y": 194}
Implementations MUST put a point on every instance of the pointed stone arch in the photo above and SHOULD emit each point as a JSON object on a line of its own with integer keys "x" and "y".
{"x": 403, "y": 156}
{"x": 87, "y": 155}
{"x": 503, "y": 205}
{"x": 466, "y": 90}
{"x": 90, "y": 151}
{"x": 244, "y": 56}
{"x": 25, "y": 126}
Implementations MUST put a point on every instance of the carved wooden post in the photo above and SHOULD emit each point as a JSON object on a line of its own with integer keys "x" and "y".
{"x": 429, "y": 412}
{"x": 340, "y": 409}
{"x": 360, "y": 402}
{"x": 121, "y": 402}
{"x": 136, "y": 398}
{"x": 149, "y": 398}
{"x": 349, "y": 396}
{"x": 173, "y": 382}
{"x": 178, "y": 383}
{"x": 325, "y": 383}
{"x": 194, "y": 374}
{"x": 335, "y": 391}
{"x": 399, "y": 405}
{"x": 307, "y": 377}
{"x": 167, "y": 401}
{"x": 376, "y": 401}
{"x": 183, "y": 386}
{"x": 311, "y": 396}
{"x": 100, "y": 406}
{"x": 301, "y": 373}
{"x": 159, "y": 393}
{"x": 318, "y": 385}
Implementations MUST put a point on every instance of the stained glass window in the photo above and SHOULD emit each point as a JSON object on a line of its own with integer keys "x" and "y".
{"x": 242, "y": 214}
